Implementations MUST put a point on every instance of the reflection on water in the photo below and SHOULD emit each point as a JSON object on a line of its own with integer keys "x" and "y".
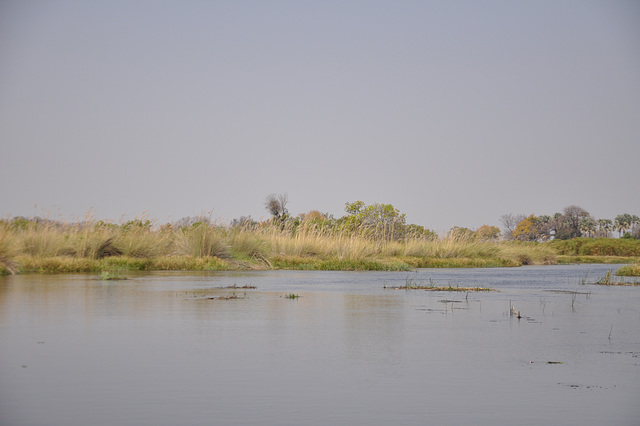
{"x": 176, "y": 348}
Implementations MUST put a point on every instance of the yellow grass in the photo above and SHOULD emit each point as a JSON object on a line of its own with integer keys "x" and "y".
{"x": 94, "y": 246}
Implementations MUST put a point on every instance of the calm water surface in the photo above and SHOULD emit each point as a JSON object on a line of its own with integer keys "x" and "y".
{"x": 165, "y": 349}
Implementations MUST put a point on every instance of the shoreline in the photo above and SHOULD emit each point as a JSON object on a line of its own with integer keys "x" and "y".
{"x": 64, "y": 264}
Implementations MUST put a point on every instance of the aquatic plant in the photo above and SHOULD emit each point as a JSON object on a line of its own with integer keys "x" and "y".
{"x": 112, "y": 274}
{"x": 416, "y": 284}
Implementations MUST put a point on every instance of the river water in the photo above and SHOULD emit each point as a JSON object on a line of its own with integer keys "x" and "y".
{"x": 182, "y": 349}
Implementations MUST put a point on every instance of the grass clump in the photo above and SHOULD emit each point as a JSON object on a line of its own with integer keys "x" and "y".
{"x": 609, "y": 281}
{"x": 200, "y": 240}
{"x": 629, "y": 271}
{"x": 429, "y": 285}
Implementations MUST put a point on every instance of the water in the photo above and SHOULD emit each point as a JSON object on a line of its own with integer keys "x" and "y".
{"x": 156, "y": 350}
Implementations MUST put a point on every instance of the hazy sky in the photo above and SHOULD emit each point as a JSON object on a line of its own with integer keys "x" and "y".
{"x": 455, "y": 112}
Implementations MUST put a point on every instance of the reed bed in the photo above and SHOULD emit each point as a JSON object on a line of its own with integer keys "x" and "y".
{"x": 95, "y": 246}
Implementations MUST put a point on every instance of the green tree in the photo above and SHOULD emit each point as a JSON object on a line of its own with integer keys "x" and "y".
{"x": 568, "y": 224}
{"x": 605, "y": 226}
{"x": 545, "y": 224}
{"x": 378, "y": 221}
{"x": 587, "y": 226}
{"x": 622, "y": 223}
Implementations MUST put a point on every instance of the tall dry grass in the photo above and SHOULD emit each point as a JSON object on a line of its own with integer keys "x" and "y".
{"x": 141, "y": 244}
{"x": 8, "y": 253}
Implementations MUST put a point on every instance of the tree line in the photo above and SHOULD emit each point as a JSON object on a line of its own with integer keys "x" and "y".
{"x": 379, "y": 221}
{"x": 573, "y": 222}
{"x": 384, "y": 221}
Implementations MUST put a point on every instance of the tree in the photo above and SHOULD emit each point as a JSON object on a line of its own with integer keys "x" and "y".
{"x": 635, "y": 228}
{"x": 546, "y": 226}
{"x": 622, "y": 223}
{"x": 526, "y": 229}
{"x": 379, "y": 221}
{"x": 509, "y": 222}
{"x": 487, "y": 232}
{"x": 276, "y": 205}
{"x": 316, "y": 220}
{"x": 458, "y": 233}
{"x": 633, "y": 224}
{"x": 568, "y": 225}
{"x": 587, "y": 225}
{"x": 418, "y": 231}
{"x": 313, "y": 215}
{"x": 605, "y": 226}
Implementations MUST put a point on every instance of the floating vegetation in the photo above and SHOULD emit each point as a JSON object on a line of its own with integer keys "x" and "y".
{"x": 440, "y": 288}
{"x": 112, "y": 275}
{"x": 608, "y": 280}
{"x": 577, "y": 386}
{"x": 244, "y": 287}
{"x": 620, "y": 283}
{"x": 292, "y": 296}
{"x": 232, "y": 297}
{"x": 224, "y": 296}
{"x": 414, "y": 284}
{"x": 229, "y": 297}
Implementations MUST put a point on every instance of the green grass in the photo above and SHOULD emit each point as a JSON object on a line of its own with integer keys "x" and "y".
{"x": 317, "y": 264}
{"x": 566, "y": 259}
{"x": 619, "y": 247}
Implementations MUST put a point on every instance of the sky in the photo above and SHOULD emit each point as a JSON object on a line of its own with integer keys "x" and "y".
{"x": 455, "y": 112}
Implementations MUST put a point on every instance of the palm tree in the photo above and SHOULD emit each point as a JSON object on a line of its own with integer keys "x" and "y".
{"x": 622, "y": 222}
{"x": 587, "y": 226}
{"x": 605, "y": 226}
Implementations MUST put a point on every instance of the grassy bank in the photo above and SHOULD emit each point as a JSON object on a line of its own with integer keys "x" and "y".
{"x": 598, "y": 247}
{"x": 565, "y": 260}
{"x": 91, "y": 246}
{"x": 597, "y": 250}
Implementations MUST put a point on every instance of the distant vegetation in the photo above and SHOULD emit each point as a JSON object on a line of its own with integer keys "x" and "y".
{"x": 367, "y": 237}
{"x": 573, "y": 222}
